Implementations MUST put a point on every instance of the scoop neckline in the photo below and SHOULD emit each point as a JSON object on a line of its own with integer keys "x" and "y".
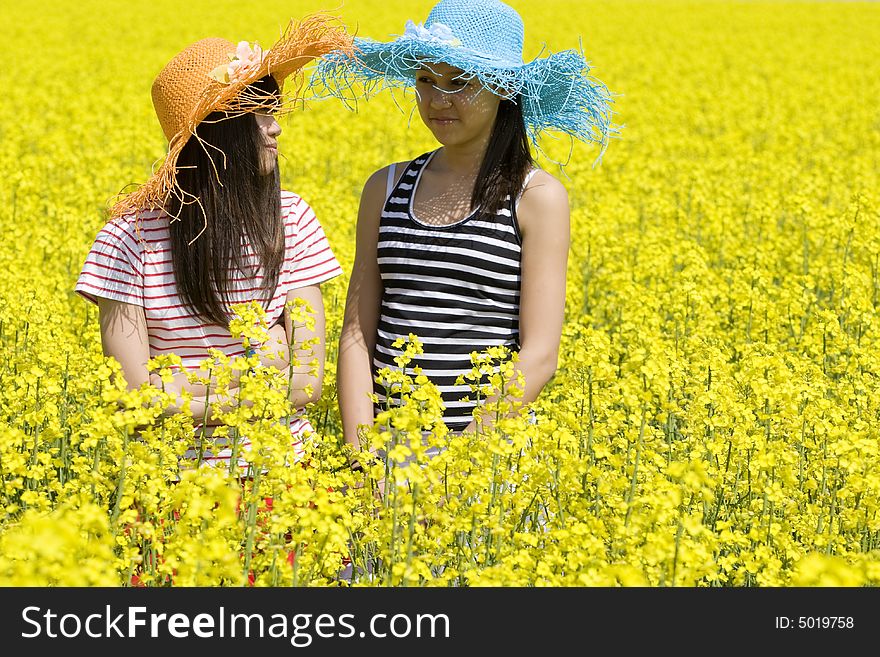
{"x": 412, "y": 201}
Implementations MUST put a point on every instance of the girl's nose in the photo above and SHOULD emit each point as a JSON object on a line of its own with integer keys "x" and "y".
{"x": 439, "y": 98}
{"x": 274, "y": 128}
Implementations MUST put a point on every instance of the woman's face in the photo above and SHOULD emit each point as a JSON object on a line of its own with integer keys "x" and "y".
{"x": 269, "y": 131}
{"x": 459, "y": 111}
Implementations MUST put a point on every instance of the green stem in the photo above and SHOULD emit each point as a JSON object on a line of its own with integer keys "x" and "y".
{"x": 251, "y": 526}
{"x": 114, "y": 516}
{"x": 632, "y": 486}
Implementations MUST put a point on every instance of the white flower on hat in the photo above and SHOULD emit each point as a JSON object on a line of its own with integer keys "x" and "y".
{"x": 437, "y": 33}
{"x": 244, "y": 60}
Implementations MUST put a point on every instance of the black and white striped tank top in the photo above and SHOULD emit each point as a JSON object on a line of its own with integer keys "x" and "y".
{"x": 456, "y": 286}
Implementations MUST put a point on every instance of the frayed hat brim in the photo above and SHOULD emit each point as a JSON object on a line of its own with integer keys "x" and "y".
{"x": 301, "y": 43}
{"x": 556, "y": 91}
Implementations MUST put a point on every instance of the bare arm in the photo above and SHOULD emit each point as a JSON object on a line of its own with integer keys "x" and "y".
{"x": 358, "y": 337}
{"x": 543, "y": 216}
{"x": 308, "y": 345}
{"x": 124, "y": 338}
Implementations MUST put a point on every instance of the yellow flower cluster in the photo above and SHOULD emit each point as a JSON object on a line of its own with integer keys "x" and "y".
{"x": 714, "y": 417}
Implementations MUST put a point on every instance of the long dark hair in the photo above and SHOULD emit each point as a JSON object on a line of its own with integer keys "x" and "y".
{"x": 507, "y": 160}
{"x": 236, "y": 201}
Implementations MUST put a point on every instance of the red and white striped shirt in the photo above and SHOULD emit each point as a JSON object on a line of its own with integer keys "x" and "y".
{"x": 130, "y": 261}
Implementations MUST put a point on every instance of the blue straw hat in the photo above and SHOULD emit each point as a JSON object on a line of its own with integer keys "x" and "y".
{"x": 483, "y": 38}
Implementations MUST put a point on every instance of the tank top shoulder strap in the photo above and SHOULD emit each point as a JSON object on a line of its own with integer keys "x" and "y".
{"x": 403, "y": 186}
{"x": 398, "y": 191}
{"x": 389, "y": 185}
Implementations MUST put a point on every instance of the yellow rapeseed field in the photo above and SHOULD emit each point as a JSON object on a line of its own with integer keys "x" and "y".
{"x": 716, "y": 413}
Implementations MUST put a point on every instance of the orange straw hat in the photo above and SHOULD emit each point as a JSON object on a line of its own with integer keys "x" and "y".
{"x": 212, "y": 75}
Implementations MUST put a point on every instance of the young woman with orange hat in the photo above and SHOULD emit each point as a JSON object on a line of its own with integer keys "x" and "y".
{"x": 212, "y": 227}
{"x": 465, "y": 246}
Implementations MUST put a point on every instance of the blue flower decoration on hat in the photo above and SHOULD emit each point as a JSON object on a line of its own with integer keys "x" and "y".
{"x": 483, "y": 38}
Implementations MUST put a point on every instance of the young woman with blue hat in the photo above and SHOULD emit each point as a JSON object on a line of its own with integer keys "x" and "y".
{"x": 465, "y": 246}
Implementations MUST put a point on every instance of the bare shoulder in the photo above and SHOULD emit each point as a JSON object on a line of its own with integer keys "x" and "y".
{"x": 545, "y": 186}
{"x": 375, "y": 183}
{"x": 373, "y": 198}
{"x": 544, "y": 201}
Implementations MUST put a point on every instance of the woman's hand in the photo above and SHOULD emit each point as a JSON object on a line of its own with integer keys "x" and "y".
{"x": 274, "y": 353}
